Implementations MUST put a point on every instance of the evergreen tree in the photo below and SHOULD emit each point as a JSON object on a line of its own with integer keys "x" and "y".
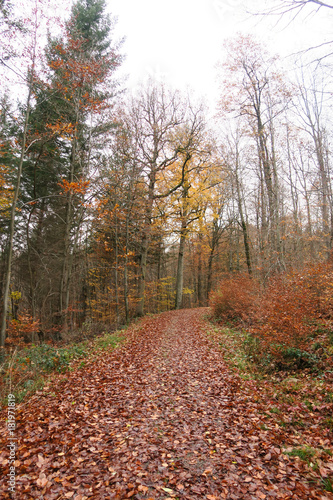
{"x": 68, "y": 129}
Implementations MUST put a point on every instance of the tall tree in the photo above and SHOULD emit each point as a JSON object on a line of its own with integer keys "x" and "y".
{"x": 22, "y": 151}
{"x": 312, "y": 102}
{"x": 155, "y": 117}
{"x": 258, "y": 93}
{"x": 73, "y": 109}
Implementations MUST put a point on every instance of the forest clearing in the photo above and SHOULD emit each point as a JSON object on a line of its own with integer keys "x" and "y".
{"x": 164, "y": 415}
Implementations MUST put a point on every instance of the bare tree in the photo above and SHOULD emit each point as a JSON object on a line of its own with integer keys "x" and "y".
{"x": 259, "y": 95}
{"x": 312, "y": 118}
{"x": 155, "y": 118}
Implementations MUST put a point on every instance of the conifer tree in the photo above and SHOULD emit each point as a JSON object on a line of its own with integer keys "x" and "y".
{"x": 68, "y": 130}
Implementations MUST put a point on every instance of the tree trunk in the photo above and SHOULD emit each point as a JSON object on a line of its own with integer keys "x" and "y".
{"x": 116, "y": 271}
{"x": 180, "y": 267}
{"x": 67, "y": 259}
{"x": 145, "y": 245}
{"x": 12, "y": 217}
{"x": 126, "y": 272}
{"x": 183, "y": 233}
{"x": 200, "y": 274}
{"x": 242, "y": 218}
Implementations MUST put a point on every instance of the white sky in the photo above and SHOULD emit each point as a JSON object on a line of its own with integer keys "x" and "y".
{"x": 180, "y": 41}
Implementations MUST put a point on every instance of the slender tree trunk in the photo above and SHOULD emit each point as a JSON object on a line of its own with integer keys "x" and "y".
{"x": 71, "y": 258}
{"x": 116, "y": 271}
{"x": 64, "y": 273}
{"x": 145, "y": 246}
{"x": 267, "y": 175}
{"x": 324, "y": 183}
{"x": 200, "y": 275}
{"x": 142, "y": 275}
{"x": 126, "y": 271}
{"x": 31, "y": 272}
{"x": 242, "y": 217}
{"x": 183, "y": 234}
{"x": 180, "y": 266}
{"x": 12, "y": 214}
{"x": 276, "y": 202}
{"x": 66, "y": 265}
{"x": 210, "y": 268}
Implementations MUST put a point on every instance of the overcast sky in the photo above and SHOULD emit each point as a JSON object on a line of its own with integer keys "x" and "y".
{"x": 180, "y": 41}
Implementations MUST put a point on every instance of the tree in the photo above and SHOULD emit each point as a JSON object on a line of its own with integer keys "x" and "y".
{"x": 72, "y": 119}
{"x": 119, "y": 214}
{"x": 258, "y": 94}
{"x": 22, "y": 150}
{"x": 8, "y": 24}
{"x": 233, "y": 160}
{"x": 82, "y": 63}
{"x": 312, "y": 121}
{"x": 155, "y": 117}
{"x": 189, "y": 205}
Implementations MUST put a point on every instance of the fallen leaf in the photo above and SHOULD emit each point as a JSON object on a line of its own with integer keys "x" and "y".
{"x": 167, "y": 490}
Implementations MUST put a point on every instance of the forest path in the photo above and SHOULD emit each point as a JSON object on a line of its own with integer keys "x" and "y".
{"x": 160, "y": 417}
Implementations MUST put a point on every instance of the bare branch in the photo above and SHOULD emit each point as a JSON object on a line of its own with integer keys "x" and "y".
{"x": 287, "y": 6}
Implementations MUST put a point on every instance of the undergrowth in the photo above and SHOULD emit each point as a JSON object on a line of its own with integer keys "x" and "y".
{"x": 288, "y": 324}
{"x": 297, "y": 401}
{"x": 26, "y": 369}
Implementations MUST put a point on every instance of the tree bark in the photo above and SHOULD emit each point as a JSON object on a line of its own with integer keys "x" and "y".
{"x": 180, "y": 266}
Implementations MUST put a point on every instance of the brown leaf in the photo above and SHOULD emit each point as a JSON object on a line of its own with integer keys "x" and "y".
{"x": 143, "y": 488}
{"x": 42, "y": 480}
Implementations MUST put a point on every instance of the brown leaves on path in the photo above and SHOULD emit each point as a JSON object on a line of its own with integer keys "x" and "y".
{"x": 161, "y": 417}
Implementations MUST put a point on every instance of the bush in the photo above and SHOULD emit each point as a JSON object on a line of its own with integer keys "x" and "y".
{"x": 297, "y": 358}
{"x": 235, "y": 298}
{"x": 285, "y": 318}
{"x": 22, "y": 330}
{"x": 289, "y": 312}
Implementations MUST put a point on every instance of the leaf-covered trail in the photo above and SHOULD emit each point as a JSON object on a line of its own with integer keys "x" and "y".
{"x": 160, "y": 417}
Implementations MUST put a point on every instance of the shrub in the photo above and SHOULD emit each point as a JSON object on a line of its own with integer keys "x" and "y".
{"x": 235, "y": 298}
{"x": 22, "y": 330}
{"x": 289, "y": 312}
{"x": 297, "y": 358}
{"x": 285, "y": 318}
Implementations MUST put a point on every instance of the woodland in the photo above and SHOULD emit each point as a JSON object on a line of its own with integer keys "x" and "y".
{"x": 166, "y": 277}
{"x": 118, "y": 204}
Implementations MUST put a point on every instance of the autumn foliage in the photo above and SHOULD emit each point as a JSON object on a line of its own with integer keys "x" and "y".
{"x": 235, "y": 298}
{"x": 286, "y": 316}
{"x": 21, "y": 330}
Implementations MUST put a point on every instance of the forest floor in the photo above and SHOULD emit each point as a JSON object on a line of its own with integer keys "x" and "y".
{"x": 161, "y": 416}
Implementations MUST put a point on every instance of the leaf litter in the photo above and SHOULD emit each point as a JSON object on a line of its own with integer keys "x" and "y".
{"x": 160, "y": 417}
